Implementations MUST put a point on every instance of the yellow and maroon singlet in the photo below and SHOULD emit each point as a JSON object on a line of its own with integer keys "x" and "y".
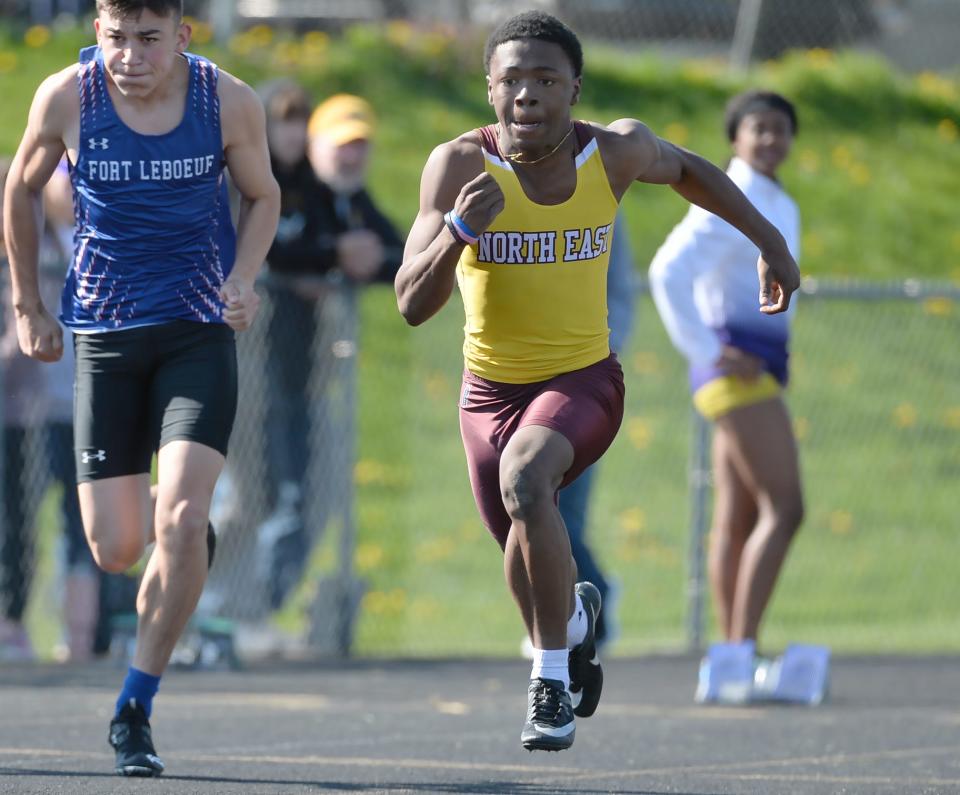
{"x": 534, "y": 286}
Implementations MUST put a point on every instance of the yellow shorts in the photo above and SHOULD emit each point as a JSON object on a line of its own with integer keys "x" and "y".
{"x": 722, "y": 395}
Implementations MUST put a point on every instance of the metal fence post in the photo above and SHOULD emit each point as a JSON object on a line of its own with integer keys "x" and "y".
{"x": 699, "y": 490}
{"x": 745, "y": 34}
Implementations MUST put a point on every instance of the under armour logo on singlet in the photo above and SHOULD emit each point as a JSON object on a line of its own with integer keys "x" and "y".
{"x": 100, "y": 455}
{"x": 99, "y": 143}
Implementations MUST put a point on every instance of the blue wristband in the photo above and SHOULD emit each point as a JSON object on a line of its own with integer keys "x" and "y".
{"x": 456, "y": 231}
{"x": 462, "y": 226}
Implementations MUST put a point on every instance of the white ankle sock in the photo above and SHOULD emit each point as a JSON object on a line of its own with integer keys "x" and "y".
{"x": 577, "y": 625}
{"x": 551, "y": 664}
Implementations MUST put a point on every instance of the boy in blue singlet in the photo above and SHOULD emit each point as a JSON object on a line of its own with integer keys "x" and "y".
{"x": 158, "y": 284}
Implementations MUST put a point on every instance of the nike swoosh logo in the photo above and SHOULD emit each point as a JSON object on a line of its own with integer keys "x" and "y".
{"x": 552, "y": 731}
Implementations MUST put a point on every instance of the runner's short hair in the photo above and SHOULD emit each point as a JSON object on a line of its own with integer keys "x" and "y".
{"x": 126, "y": 9}
{"x": 748, "y": 102}
{"x": 536, "y": 25}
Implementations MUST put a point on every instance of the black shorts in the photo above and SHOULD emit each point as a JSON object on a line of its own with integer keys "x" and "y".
{"x": 137, "y": 389}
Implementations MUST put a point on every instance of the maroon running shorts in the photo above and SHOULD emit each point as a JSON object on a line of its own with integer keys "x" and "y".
{"x": 585, "y": 405}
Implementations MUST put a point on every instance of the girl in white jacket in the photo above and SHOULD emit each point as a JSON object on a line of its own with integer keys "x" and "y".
{"x": 704, "y": 281}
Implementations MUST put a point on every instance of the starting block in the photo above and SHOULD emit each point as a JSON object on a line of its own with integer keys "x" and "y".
{"x": 207, "y": 643}
{"x": 732, "y": 674}
{"x": 804, "y": 675}
{"x": 726, "y": 674}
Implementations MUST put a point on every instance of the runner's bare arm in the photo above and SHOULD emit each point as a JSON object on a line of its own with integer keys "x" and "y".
{"x": 247, "y": 156}
{"x": 453, "y": 179}
{"x": 642, "y": 156}
{"x": 52, "y": 115}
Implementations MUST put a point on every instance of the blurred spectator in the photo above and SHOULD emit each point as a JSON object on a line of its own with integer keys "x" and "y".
{"x": 574, "y": 499}
{"x": 704, "y": 281}
{"x": 331, "y": 236}
{"x": 38, "y": 450}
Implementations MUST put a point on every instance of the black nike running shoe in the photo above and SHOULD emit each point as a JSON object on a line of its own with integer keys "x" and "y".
{"x": 586, "y": 674}
{"x": 550, "y": 725}
{"x": 131, "y": 738}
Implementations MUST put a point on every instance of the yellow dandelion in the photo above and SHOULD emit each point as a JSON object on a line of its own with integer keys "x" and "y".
{"x": 842, "y": 157}
{"x": 241, "y": 44}
{"x": 633, "y": 521}
{"x": 202, "y": 33}
{"x": 947, "y": 130}
{"x": 261, "y": 35}
{"x": 677, "y": 133}
{"x": 36, "y": 36}
{"x": 646, "y": 363}
{"x": 8, "y": 62}
{"x": 841, "y": 522}
{"x": 905, "y": 415}
{"x": 939, "y": 305}
{"x": 934, "y": 85}
{"x": 801, "y": 428}
{"x": 367, "y": 471}
{"x": 316, "y": 40}
{"x": 809, "y": 161}
{"x": 640, "y": 434}
{"x": 368, "y": 556}
{"x": 286, "y": 54}
{"x": 951, "y": 418}
{"x": 859, "y": 174}
{"x": 819, "y": 58}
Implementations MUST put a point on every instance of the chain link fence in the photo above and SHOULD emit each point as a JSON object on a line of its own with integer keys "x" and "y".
{"x": 914, "y": 34}
{"x": 875, "y": 397}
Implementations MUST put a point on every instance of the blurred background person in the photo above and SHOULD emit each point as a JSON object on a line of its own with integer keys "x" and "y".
{"x": 704, "y": 282}
{"x": 38, "y": 452}
{"x": 331, "y": 237}
{"x": 574, "y": 500}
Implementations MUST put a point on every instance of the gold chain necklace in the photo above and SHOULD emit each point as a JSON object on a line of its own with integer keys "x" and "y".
{"x": 515, "y": 158}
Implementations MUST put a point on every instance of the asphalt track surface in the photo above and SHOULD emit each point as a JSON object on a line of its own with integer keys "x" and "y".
{"x": 892, "y": 726}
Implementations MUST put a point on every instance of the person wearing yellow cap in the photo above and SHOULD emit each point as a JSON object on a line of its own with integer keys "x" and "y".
{"x": 331, "y": 235}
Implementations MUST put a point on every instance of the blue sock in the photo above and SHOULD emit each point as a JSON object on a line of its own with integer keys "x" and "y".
{"x": 139, "y": 686}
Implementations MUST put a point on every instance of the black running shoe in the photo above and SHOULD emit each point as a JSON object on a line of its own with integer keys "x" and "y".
{"x": 211, "y": 545}
{"x": 549, "y": 725}
{"x": 586, "y": 675}
{"x": 131, "y": 739}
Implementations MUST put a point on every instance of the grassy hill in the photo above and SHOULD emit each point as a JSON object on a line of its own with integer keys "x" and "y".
{"x": 875, "y": 394}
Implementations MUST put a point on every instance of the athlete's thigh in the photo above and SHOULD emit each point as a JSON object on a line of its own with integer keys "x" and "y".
{"x": 763, "y": 447}
{"x": 111, "y": 404}
{"x": 117, "y": 513}
{"x": 586, "y": 407}
{"x": 194, "y": 389}
{"x": 187, "y": 473}
{"x": 542, "y": 454}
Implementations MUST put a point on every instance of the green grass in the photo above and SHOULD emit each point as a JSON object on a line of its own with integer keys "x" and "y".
{"x": 875, "y": 395}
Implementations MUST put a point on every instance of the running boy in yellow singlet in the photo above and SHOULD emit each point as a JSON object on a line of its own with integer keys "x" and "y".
{"x": 519, "y": 214}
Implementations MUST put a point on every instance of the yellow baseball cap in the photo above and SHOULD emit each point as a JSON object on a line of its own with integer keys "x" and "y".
{"x": 342, "y": 118}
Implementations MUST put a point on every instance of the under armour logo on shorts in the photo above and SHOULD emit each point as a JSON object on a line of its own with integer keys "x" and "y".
{"x": 100, "y": 455}
{"x": 99, "y": 143}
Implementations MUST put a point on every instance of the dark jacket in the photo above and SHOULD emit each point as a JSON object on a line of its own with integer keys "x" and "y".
{"x": 312, "y": 217}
